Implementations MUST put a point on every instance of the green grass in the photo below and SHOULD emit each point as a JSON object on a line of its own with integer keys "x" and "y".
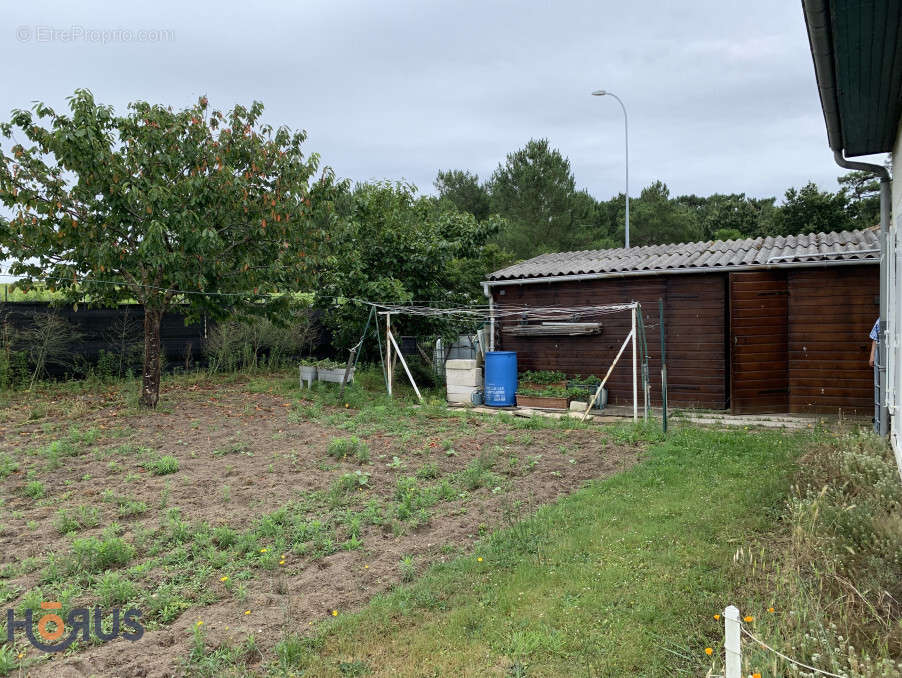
{"x": 620, "y": 578}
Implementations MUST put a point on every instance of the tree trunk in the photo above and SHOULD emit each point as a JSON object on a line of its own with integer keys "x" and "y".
{"x": 150, "y": 385}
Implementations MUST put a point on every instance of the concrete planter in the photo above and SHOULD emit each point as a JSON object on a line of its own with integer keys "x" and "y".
{"x": 334, "y": 375}
{"x": 308, "y": 374}
{"x": 549, "y": 402}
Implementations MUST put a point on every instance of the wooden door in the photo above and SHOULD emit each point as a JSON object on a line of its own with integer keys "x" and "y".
{"x": 759, "y": 342}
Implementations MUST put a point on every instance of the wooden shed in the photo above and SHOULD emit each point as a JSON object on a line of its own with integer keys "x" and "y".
{"x": 763, "y": 325}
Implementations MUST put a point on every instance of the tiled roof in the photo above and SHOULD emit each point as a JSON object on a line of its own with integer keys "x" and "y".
{"x": 711, "y": 255}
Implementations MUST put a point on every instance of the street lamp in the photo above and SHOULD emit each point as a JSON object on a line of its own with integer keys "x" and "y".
{"x": 626, "y": 139}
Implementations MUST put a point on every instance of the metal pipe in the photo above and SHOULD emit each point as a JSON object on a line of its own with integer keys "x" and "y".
{"x": 488, "y": 295}
{"x": 885, "y": 202}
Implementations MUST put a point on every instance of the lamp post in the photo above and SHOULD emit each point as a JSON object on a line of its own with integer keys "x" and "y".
{"x": 626, "y": 142}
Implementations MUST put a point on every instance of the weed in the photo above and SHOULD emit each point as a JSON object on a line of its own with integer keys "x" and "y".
{"x": 162, "y": 466}
{"x": 35, "y": 489}
{"x": 354, "y": 668}
{"x": 396, "y": 464}
{"x": 8, "y": 465}
{"x": 78, "y": 518}
{"x": 340, "y": 448}
{"x": 348, "y": 482}
{"x": 8, "y": 660}
{"x": 293, "y": 650}
{"x": 428, "y": 471}
{"x": 224, "y": 537}
{"x": 96, "y": 555}
{"x": 113, "y": 589}
{"x": 239, "y": 447}
{"x": 408, "y": 569}
{"x": 129, "y": 508}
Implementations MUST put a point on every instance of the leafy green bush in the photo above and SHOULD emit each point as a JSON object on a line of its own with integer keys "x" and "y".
{"x": 542, "y": 377}
{"x": 246, "y": 343}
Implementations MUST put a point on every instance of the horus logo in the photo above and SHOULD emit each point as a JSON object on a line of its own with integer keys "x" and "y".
{"x": 52, "y": 628}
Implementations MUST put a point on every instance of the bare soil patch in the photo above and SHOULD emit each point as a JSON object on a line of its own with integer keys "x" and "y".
{"x": 242, "y": 456}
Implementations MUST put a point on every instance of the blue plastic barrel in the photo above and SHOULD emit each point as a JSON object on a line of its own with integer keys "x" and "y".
{"x": 500, "y": 378}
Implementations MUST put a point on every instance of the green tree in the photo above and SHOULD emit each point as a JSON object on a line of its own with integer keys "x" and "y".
{"x": 810, "y": 210}
{"x": 534, "y": 191}
{"x": 208, "y": 210}
{"x": 863, "y": 192}
{"x": 730, "y": 216}
{"x": 393, "y": 245}
{"x": 463, "y": 190}
{"x": 655, "y": 218}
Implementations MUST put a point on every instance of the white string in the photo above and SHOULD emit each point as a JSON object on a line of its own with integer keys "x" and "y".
{"x": 789, "y": 659}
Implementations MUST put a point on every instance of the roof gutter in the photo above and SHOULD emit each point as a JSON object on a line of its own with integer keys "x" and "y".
{"x": 820, "y": 38}
{"x": 487, "y": 284}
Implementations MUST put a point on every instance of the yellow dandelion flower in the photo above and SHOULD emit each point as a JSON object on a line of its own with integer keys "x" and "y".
{"x": 717, "y": 617}
{"x": 199, "y": 623}
{"x": 771, "y": 610}
{"x": 756, "y": 675}
{"x": 247, "y": 612}
{"x": 479, "y": 559}
{"x": 748, "y": 619}
{"x": 223, "y": 579}
{"x": 346, "y": 404}
{"x": 263, "y": 550}
{"x": 709, "y": 651}
{"x": 281, "y": 562}
{"x": 334, "y": 613}
{"x": 366, "y": 567}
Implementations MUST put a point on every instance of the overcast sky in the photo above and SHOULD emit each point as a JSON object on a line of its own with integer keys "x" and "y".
{"x": 721, "y": 95}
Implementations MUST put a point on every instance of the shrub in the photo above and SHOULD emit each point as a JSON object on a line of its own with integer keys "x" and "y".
{"x": 254, "y": 343}
{"x": 163, "y": 465}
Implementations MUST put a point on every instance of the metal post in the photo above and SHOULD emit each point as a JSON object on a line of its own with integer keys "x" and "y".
{"x": 635, "y": 384}
{"x": 885, "y": 199}
{"x": 732, "y": 645}
{"x": 388, "y": 365}
{"x": 663, "y": 365}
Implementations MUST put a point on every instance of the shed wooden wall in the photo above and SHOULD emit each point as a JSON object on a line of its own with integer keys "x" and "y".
{"x": 694, "y": 319}
{"x": 831, "y": 312}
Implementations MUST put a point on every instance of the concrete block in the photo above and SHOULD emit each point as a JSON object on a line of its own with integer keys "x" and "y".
{"x": 461, "y": 364}
{"x": 460, "y": 394}
{"x": 463, "y": 377}
{"x": 578, "y": 406}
